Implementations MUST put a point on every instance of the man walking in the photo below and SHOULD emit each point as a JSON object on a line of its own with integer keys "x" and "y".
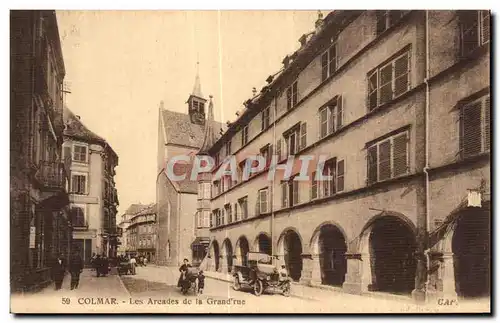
{"x": 75, "y": 268}
{"x": 58, "y": 271}
{"x": 132, "y": 262}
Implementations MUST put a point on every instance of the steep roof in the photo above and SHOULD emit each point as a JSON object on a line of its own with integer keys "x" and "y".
{"x": 209, "y": 136}
{"x": 180, "y": 130}
{"x": 74, "y": 128}
{"x": 135, "y": 208}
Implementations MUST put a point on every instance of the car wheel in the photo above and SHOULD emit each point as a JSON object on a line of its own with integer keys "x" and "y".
{"x": 258, "y": 288}
{"x": 236, "y": 283}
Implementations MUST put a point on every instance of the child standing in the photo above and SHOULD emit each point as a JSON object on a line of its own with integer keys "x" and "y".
{"x": 201, "y": 282}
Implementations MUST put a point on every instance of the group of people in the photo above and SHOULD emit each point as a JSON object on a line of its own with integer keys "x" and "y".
{"x": 100, "y": 263}
{"x": 75, "y": 268}
{"x": 183, "y": 279}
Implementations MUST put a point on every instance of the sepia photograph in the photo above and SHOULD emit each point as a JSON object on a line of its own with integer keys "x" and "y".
{"x": 250, "y": 161}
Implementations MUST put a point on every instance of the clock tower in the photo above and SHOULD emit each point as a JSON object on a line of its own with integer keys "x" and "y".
{"x": 196, "y": 102}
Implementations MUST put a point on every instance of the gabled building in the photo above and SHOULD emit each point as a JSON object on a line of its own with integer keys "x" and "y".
{"x": 93, "y": 195}
{"x": 179, "y": 134}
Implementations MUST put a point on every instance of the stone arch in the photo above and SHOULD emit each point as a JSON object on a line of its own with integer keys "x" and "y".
{"x": 242, "y": 248}
{"x": 263, "y": 243}
{"x": 328, "y": 247}
{"x": 227, "y": 255}
{"x": 290, "y": 249}
{"x": 387, "y": 245}
{"x": 215, "y": 255}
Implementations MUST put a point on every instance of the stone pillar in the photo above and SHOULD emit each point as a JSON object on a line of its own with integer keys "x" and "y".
{"x": 359, "y": 276}
{"x": 223, "y": 264}
{"x": 305, "y": 275}
{"x": 315, "y": 269}
{"x": 448, "y": 276}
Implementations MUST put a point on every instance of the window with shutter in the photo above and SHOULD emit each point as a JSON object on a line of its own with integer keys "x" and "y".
{"x": 314, "y": 186}
{"x": 384, "y": 160}
{"x": 340, "y": 175}
{"x": 386, "y": 84}
{"x": 324, "y": 66}
{"x": 400, "y": 164}
{"x": 340, "y": 112}
{"x": 475, "y": 127}
{"x": 401, "y": 75}
{"x": 284, "y": 194}
{"x": 323, "y": 122}
{"x": 289, "y": 98}
{"x": 294, "y": 94}
{"x": 475, "y": 29}
{"x": 332, "y": 53}
{"x": 295, "y": 192}
{"x": 382, "y": 24}
{"x": 373, "y": 90}
{"x": 263, "y": 197}
{"x": 235, "y": 212}
{"x": 372, "y": 165}
{"x": 303, "y": 135}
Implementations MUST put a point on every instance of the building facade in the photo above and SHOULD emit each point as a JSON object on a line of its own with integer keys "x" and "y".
{"x": 40, "y": 229}
{"x": 179, "y": 134}
{"x": 397, "y": 103}
{"x": 94, "y": 197}
{"x": 141, "y": 233}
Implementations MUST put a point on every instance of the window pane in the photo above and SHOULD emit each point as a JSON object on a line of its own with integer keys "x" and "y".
{"x": 384, "y": 157}
{"x": 333, "y": 59}
{"x": 386, "y": 84}
{"x": 323, "y": 115}
{"x": 373, "y": 91}
{"x": 340, "y": 176}
{"x": 324, "y": 66}
{"x": 470, "y": 33}
{"x": 314, "y": 186}
{"x": 381, "y": 21}
{"x": 340, "y": 112}
{"x": 372, "y": 164}
{"x": 485, "y": 26}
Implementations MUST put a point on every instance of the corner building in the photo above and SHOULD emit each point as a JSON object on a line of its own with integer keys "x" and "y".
{"x": 398, "y": 103}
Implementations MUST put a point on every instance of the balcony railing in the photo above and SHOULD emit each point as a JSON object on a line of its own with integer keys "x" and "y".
{"x": 52, "y": 175}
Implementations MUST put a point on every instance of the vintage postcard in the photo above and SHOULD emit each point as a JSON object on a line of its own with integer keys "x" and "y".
{"x": 323, "y": 161}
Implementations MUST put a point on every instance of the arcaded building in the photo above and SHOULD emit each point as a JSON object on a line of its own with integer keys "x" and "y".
{"x": 398, "y": 103}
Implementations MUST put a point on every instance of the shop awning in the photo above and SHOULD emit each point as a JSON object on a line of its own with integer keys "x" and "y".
{"x": 201, "y": 241}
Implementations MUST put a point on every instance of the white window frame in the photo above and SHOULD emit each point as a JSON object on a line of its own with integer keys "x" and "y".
{"x": 244, "y": 135}
{"x": 84, "y": 208}
{"x": 244, "y": 211}
{"x": 481, "y": 17}
{"x": 80, "y": 145}
{"x": 263, "y": 203}
{"x": 86, "y": 175}
{"x": 331, "y": 111}
{"x": 228, "y": 148}
{"x": 329, "y": 61}
{"x": 266, "y": 118}
{"x": 391, "y": 141}
{"x": 294, "y": 93}
{"x": 379, "y": 86}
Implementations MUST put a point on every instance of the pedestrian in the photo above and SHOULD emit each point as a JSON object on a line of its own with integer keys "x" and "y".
{"x": 201, "y": 282}
{"x": 75, "y": 269}
{"x": 132, "y": 262}
{"x": 58, "y": 271}
{"x": 145, "y": 261}
{"x": 93, "y": 261}
{"x": 183, "y": 269}
{"x": 104, "y": 265}
{"x": 97, "y": 265}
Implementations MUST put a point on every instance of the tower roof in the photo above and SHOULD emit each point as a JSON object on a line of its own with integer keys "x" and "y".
{"x": 197, "y": 84}
{"x": 209, "y": 138}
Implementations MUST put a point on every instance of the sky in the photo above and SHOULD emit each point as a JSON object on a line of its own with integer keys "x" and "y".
{"x": 121, "y": 64}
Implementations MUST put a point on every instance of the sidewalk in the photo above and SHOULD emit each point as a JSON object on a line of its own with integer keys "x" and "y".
{"x": 51, "y": 300}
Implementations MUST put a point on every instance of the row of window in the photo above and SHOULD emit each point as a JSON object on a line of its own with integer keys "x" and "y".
{"x": 149, "y": 242}
{"x": 385, "y": 83}
{"x": 387, "y": 157}
{"x": 148, "y": 228}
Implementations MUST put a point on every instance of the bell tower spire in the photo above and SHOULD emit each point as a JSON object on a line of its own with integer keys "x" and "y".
{"x": 196, "y": 101}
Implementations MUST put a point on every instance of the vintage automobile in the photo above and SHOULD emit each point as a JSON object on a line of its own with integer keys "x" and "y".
{"x": 260, "y": 275}
{"x": 124, "y": 268}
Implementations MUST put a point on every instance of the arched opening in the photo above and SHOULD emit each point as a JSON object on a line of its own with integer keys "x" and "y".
{"x": 332, "y": 248}
{"x": 471, "y": 250}
{"x": 392, "y": 251}
{"x": 216, "y": 254}
{"x": 264, "y": 244}
{"x": 242, "y": 249}
{"x": 228, "y": 253}
{"x": 292, "y": 246}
